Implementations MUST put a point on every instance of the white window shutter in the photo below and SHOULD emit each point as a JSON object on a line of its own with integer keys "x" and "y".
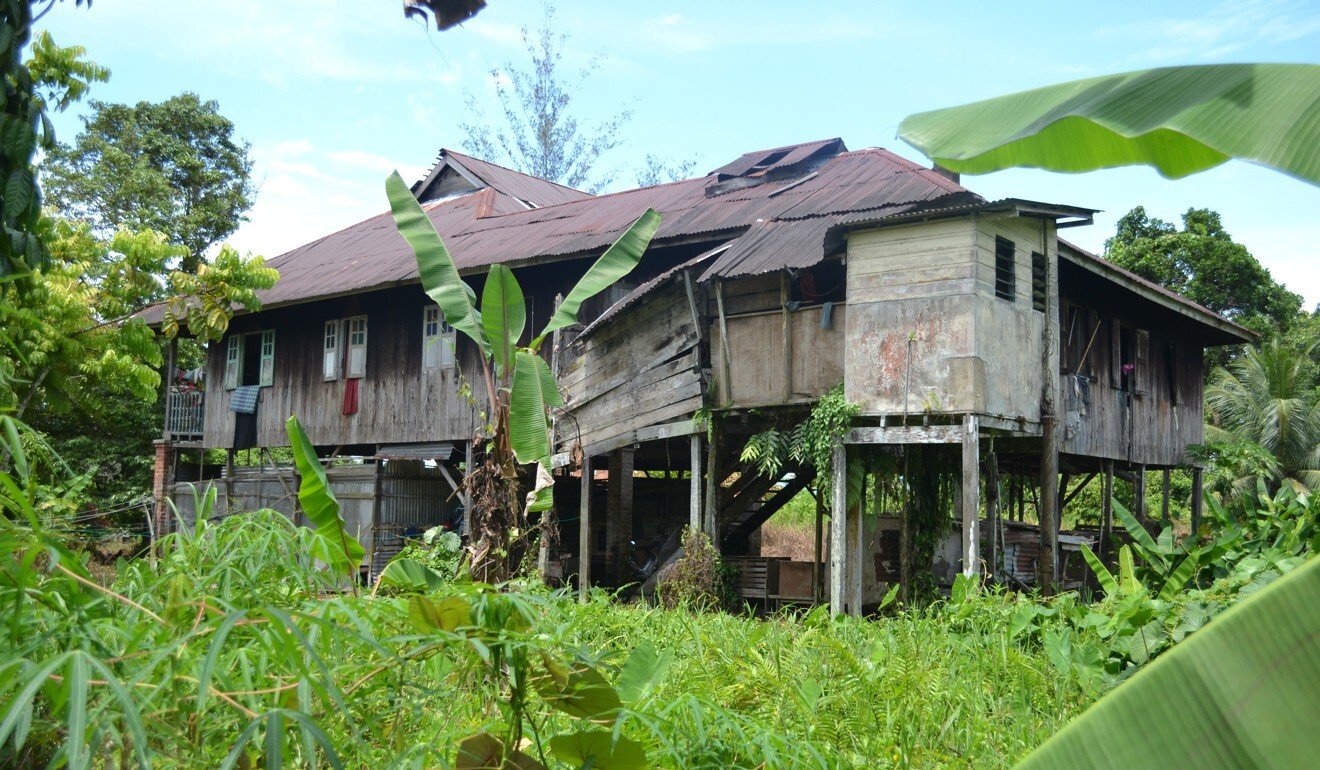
{"x": 357, "y": 347}
{"x": 431, "y": 341}
{"x": 330, "y": 351}
{"x": 267, "y": 373}
{"x": 233, "y": 360}
{"x": 445, "y": 344}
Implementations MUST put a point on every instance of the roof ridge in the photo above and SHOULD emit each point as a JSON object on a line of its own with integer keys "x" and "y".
{"x": 511, "y": 170}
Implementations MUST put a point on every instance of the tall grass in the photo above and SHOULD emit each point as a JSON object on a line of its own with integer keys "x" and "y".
{"x": 232, "y": 651}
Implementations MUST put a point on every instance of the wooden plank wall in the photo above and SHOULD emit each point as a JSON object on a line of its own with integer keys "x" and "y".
{"x": 397, "y": 403}
{"x": 1152, "y": 425}
{"x": 757, "y": 362}
{"x": 641, "y": 368}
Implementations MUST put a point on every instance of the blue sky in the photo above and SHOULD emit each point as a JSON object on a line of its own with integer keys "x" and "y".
{"x": 334, "y": 94}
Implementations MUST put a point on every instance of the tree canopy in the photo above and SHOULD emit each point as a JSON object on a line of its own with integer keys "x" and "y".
{"x": 1202, "y": 262}
{"x": 175, "y": 167}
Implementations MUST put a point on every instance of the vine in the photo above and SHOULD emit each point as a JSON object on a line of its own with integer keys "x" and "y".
{"x": 811, "y": 442}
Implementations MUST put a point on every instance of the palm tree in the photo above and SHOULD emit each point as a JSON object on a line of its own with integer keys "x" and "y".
{"x": 1269, "y": 397}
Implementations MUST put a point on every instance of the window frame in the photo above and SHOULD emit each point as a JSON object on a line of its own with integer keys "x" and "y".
{"x": 355, "y": 369}
{"x": 438, "y": 341}
{"x": 1005, "y": 269}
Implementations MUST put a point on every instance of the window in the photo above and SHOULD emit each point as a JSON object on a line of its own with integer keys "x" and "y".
{"x": 1130, "y": 352}
{"x": 330, "y": 351}
{"x": 1005, "y": 277}
{"x": 250, "y": 361}
{"x": 233, "y": 361}
{"x": 1038, "y": 270}
{"x": 357, "y": 347}
{"x": 437, "y": 340}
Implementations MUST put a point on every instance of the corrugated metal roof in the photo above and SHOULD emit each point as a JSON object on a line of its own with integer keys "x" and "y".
{"x": 492, "y": 226}
{"x": 534, "y": 190}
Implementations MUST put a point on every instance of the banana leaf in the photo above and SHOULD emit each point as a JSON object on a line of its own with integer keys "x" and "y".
{"x": 532, "y": 393}
{"x": 332, "y": 545}
{"x": 440, "y": 277}
{"x": 1181, "y": 120}
{"x": 617, "y": 261}
{"x": 503, "y": 315}
{"x": 1242, "y": 692}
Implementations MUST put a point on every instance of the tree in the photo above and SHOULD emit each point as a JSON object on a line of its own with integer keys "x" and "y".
{"x": 1268, "y": 397}
{"x": 542, "y": 136}
{"x": 658, "y": 170}
{"x": 1203, "y": 263}
{"x": 52, "y": 79}
{"x": 69, "y": 341}
{"x": 173, "y": 167}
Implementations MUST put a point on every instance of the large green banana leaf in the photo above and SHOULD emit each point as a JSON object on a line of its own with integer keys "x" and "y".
{"x": 1180, "y": 120}
{"x": 332, "y": 545}
{"x": 617, "y": 261}
{"x": 503, "y": 314}
{"x": 1243, "y": 692}
{"x": 532, "y": 393}
{"x": 440, "y": 277}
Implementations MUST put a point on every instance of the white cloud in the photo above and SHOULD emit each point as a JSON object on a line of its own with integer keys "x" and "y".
{"x": 1218, "y": 32}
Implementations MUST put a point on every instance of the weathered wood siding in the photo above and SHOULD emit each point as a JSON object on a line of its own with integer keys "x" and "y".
{"x": 640, "y": 368}
{"x": 397, "y": 401}
{"x": 926, "y": 332}
{"x": 1161, "y": 413}
{"x": 757, "y": 357}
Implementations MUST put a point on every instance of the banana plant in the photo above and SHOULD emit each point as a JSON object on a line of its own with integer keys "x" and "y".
{"x": 332, "y": 545}
{"x": 1169, "y": 566}
{"x": 520, "y": 387}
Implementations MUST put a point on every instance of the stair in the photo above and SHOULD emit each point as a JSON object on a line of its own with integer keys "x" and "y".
{"x": 758, "y": 500}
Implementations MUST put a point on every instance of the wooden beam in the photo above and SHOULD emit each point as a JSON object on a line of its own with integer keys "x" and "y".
{"x": 1049, "y": 423}
{"x": 1198, "y": 495}
{"x": 619, "y": 514}
{"x": 713, "y": 480}
{"x": 375, "y": 515}
{"x": 642, "y": 435}
{"x": 726, "y": 355}
{"x": 1077, "y": 490}
{"x": 1106, "y": 509}
{"x": 787, "y": 335}
{"x": 467, "y": 500}
{"x": 915, "y": 434}
{"x": 1139, "y": 494}
{"x": 584, "y": 531}
{"x": 971, "y": 496}
{"x": 819, "y": 552}
{"x": 1164, "y": 503}
{"x": 694, "y": 485}
{"x": 992, "y": 507}
{"x": 856, "y": 516}
{"x": 838, "y": 528}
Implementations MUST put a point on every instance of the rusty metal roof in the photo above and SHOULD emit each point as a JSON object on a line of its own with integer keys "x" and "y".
{"x": 494, "y": 226}
{"x": 491, "y": 226}
{"x": 524, "y": 187}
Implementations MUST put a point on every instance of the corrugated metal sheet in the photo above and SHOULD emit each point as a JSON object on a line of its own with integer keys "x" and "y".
{"x": 372, "y": 255}
{"x": 537, "y": 191}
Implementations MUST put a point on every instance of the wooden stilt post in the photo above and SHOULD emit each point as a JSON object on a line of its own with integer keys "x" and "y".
{"x": 1107, "y": 509}
{"x": 229, "y": 485}
{"x": 1198, "y": 495}
{"x": 905, "y": 534}
{"x": 1164, "y": 502}
{"x": 376, "y": 485}
{"x": 1139, "y": 495}
{"x": 838, "y": 529}
{"x": 694, "y": 488}
{"x": 619, "y": 515}
{"x": 992, "y": 507}
{"x": 466, "y": 497}
{"x": 971, "y": 496}
{"x": 584, "y": 531}
{"x": 1049, "y": 422}
{"x": 819, "y": 552}
{"x": 712, "y": 482}
{"x": 857, "y": 520}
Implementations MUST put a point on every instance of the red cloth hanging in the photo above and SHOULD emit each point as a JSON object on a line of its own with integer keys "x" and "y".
{"x": 351, "y": 396}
